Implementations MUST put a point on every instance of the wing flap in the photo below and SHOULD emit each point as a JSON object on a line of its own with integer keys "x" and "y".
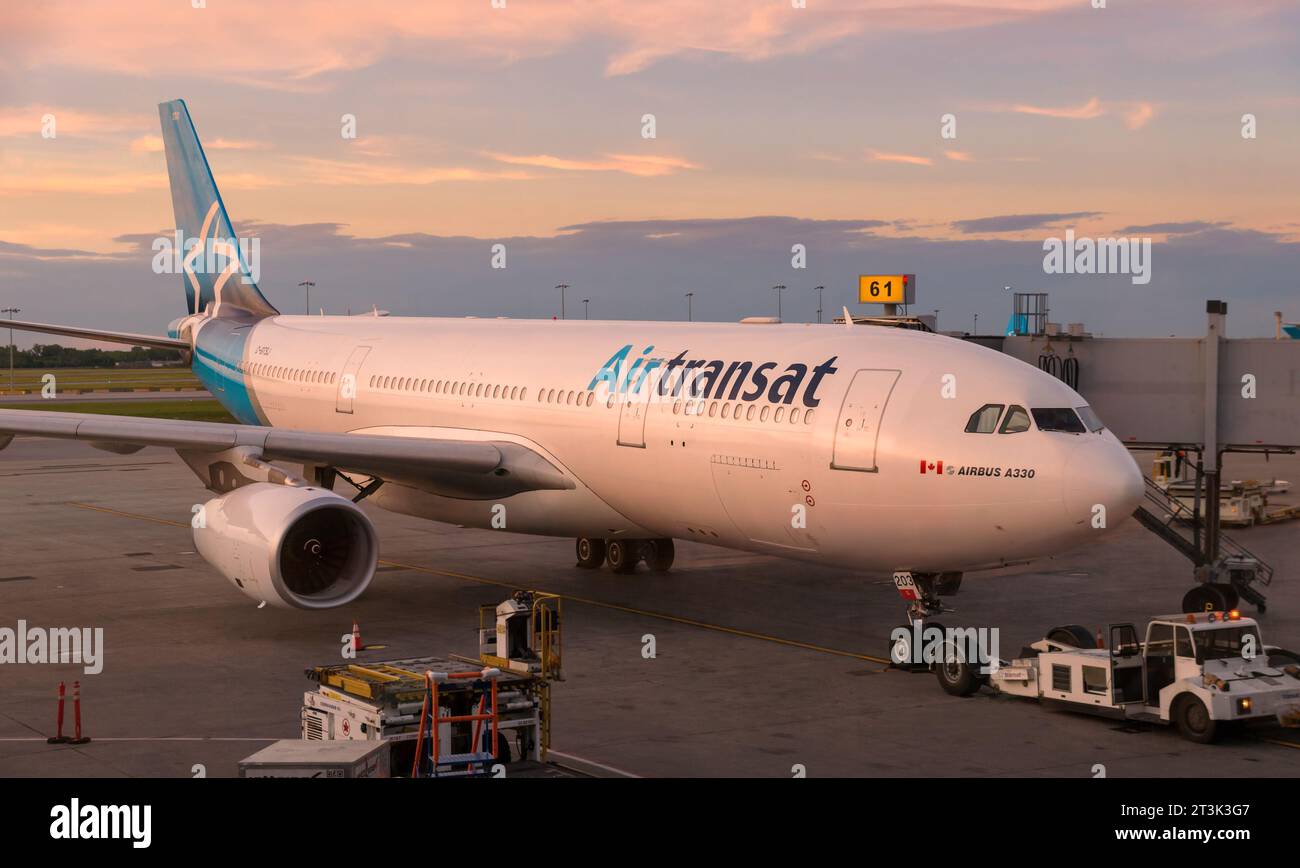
{"x": 379, "y": 454}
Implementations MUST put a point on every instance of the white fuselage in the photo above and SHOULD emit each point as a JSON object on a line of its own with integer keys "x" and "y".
{"x": 858, "y": 459}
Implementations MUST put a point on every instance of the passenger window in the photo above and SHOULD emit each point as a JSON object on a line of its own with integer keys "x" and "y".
{"x": 1017, "y": 420}
{"x": 985, "y": 419}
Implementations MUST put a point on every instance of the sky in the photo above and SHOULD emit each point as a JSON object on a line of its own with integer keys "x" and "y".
{"x": 948, "y": 139}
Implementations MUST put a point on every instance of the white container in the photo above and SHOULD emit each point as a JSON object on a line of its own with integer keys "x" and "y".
{"x": 297, "y": 758}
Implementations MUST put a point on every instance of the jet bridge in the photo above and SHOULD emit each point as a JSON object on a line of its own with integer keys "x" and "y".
{"x": 1202, "y": 396}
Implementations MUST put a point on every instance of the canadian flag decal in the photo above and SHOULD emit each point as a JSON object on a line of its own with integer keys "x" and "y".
{"x": 931, "y": 466}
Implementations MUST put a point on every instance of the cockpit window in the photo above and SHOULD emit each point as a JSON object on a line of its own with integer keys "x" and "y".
{"x": 1089, "y": 418}
{"x": 985, "y": 419}
{"x": 1017, "y": 420}
{"x": 1058, "y": 419}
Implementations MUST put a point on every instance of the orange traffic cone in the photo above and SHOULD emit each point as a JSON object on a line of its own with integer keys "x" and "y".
{"x": 76, "y": 714}
{"x": 60, "y": 738}
{"x": 357, "y": 644}
{"x": 1101, "y": 643}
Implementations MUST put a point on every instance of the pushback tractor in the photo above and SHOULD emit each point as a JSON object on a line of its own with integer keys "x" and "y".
{"x": 1199, "y": 672}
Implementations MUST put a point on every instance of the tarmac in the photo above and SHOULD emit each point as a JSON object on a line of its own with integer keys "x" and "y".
{"x": 761, "y": 667}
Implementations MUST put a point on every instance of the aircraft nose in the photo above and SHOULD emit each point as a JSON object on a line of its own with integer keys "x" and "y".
{"x": 1102, "y": 475}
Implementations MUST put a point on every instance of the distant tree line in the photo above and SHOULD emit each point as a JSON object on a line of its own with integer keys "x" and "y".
{"x": 55, "y": 356}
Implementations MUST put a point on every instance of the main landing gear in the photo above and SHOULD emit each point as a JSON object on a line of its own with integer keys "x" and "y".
{"x": 624, "y": 554}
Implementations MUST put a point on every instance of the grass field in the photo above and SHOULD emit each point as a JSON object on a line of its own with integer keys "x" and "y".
{"x": 197, "y": 410}
{"x": 66, "y": 380}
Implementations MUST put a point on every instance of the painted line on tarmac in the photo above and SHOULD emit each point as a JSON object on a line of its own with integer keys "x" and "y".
{"x": 592, "y": 763}
{"x": 645, "y": 613}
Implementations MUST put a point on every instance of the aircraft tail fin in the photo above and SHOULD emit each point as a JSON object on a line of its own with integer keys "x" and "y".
{"x": 215, "y": 270}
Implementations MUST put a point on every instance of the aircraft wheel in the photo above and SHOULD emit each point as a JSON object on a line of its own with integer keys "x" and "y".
{"x": 1193, "y": 720}
{"x": 623, "y": 554}
{"x": 591, "y": 553}
{"x": 659, "y": 555}
{"x": 900, "y": 647}
{"x": 1073, "y": 635}
{"x": 1230, "y": 596}
{"x": 957, "y": 676}
{"x": 503, "y": 746}
{"x": 1204, "y": 598}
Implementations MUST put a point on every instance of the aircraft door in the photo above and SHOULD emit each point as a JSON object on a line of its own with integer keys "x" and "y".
{"x": 858, "y": 428}
{"x": 631, "y": 415}
{"x": 348, "y": 380}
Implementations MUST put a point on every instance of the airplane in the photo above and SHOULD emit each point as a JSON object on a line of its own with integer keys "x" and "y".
{"x": 861, "y": 447}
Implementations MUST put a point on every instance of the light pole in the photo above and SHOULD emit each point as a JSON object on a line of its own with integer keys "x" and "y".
{"x": 819, "y": 302}
{"x": 779, "y": 287}
{"x": 689, "y": 296}
{"x": 585, "y": 302}
{"x": 308, "y": 284}
{"x": 11, "y": 311}
{"x": 561, "y": 287}
{"x": 976, "y": 329}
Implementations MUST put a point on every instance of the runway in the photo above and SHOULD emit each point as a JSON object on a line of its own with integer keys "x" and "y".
{"x": 761, "y": 665}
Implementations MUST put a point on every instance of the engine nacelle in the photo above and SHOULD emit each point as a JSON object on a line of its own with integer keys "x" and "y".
{"x": 300, "y": 547}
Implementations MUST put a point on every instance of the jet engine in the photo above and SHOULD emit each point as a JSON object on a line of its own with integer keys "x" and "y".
{"x": 294, "y": 547}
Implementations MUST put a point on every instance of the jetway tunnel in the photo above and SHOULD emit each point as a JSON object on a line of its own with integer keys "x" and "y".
{"x": 1198, "y": 396}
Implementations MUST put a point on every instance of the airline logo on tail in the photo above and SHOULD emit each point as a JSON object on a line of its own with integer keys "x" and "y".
{"x": 209, "y": 253}
{"x": 204, "y": 249}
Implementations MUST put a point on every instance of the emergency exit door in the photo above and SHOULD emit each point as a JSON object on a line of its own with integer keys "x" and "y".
{"x": 858, "y": 428}
{"x": 348, "y": 380}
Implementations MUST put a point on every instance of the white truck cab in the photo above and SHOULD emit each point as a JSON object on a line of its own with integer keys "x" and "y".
{"x": 1196, "y": 671}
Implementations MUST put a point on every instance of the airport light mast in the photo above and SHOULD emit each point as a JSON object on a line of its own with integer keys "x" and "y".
{"x": 11, "y": 311}
{"x": 779, "y": 287}
{"x": 308, "y": 284}
{"x": 585, "y": 302}
{"x": 819, "y": 302}
{"x": 689, "y": 296}
{"x": 562, "y": 287}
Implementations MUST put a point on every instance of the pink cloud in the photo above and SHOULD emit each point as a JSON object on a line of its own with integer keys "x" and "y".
{"x": 295, "y": 42}
{"x": 631, "y": 164}
{"x": 1135, "y": 113}
{"x": 886, "y": 157}
{"x": 29, "y": 121}
{"x": 1090, "y": 109}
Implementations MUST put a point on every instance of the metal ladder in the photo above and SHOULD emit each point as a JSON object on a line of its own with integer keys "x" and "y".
{"x": 1249, "y": 572}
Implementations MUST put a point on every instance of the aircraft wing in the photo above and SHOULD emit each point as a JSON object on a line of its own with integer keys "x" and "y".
{"x": 99, "y": 335}
{"x": 489, "y": 467}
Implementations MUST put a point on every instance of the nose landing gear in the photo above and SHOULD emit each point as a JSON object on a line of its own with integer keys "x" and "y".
{"x": 921, "y": 592}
